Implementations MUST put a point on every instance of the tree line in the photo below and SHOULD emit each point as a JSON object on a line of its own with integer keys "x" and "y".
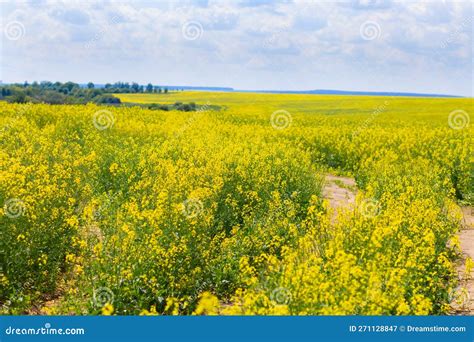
{"x": 72, "y": 93}
{"x": 125, "y": 87}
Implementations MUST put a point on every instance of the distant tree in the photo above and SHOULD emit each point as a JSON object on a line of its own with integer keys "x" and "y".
{"x": 90, "y": 93}
{"x": 166, "y": 90}
{"x": 149, "y": 88}
{"x": 53, "y": 97}
{"x": 108, "y": 86}
{"x": 90, "y": 85}
{"x": 6, "y": 92}
{"x": 157, "y": 106}
{"x": 18, "y": 97}
{"x": 135, "y": 87}
{"x": 46, "y": 84}
{"x": 159, "y": 90}
{"x": 106, "y": 98}
{"x": 69, "y": 86}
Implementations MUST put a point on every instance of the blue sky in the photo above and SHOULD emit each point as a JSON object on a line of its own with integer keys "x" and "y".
{"x": 373, "y": 45}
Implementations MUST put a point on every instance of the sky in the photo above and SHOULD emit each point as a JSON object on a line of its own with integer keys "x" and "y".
{"x": 358, "y": 45}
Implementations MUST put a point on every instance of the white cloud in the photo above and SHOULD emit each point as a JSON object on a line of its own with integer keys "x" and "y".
{"x": 252, "y": 42}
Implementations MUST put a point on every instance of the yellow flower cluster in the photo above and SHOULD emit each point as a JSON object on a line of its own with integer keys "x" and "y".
{"x": 221, "y": 212}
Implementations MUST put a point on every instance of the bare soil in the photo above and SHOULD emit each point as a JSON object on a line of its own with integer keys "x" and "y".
{"x": 466, "y": 281}
{"x": 340, "y": 192}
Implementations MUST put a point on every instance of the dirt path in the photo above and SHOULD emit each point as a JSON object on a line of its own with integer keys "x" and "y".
{"x": 341, "y": 191}
{"x": 463, "y": 299}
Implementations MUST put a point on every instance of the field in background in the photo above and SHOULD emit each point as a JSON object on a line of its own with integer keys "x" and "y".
{"x": 434, "y": 110}
{"x": 124, "y": 210}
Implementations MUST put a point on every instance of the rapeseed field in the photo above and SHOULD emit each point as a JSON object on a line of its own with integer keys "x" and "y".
{"x": 126, "y": 210}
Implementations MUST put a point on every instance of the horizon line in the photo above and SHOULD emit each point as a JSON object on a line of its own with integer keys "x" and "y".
{"x": 314, "y": 91}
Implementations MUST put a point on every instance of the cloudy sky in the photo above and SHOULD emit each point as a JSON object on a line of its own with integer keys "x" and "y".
{"x": 374, "y": 45}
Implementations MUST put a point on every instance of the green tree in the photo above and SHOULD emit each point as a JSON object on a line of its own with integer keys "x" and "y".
{"x": 135, "y": 87}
